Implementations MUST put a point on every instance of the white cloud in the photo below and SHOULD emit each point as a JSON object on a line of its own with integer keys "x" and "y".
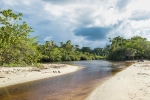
{"x": 141, "y": 24}
{"x": 54, "y": 10}
{"x": 26, "y": 2}
{"x": 48, "y": 38}
{"x": 141, "y": 5}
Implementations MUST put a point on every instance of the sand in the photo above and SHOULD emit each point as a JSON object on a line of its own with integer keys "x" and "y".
{"x": 15, "y": 75}
{"x": 133, "y": 83}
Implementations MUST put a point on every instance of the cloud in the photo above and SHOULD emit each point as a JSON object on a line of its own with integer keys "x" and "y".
{"x": 92, "y": 33}
{"x": 121, "y": 4}
{"x": 140, "y": 15}
{"x": 48, "y": 38}
{"x": 60, "y": 1}
{"x": 141, "y": 5}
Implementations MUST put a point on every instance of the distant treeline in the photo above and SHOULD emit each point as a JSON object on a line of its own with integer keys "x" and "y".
{"x": 68, "y": 52}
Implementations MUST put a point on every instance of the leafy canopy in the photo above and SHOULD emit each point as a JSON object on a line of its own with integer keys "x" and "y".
{"x": 16, "y": 45}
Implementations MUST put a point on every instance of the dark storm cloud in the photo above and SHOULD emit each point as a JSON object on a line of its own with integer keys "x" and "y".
{"x": 93, "y": 33}
{"x": 140, "y": 15}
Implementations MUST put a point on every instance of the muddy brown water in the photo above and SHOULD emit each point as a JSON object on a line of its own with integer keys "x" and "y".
{"x": 74, "y": 86}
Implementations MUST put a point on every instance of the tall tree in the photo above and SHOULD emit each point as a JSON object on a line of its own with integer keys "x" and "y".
{"x": 16, "y": 45}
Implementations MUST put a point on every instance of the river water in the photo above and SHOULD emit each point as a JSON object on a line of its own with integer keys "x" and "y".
{"x": 74, "y": 86}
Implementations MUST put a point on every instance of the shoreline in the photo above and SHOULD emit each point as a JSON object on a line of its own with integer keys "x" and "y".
{"x": 16, "y": 75}
{"x": 132, "y": 83}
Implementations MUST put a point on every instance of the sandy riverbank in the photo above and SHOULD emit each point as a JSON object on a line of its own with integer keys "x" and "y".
{"x": 16, "y": 75}
{"x": 133, "y": 83}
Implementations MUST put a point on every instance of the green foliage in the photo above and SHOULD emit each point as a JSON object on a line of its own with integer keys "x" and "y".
{"x": 66, "y": 52}
{"x": 16, "y": 45}
{"x": 86, "y": 49}
{"x": 98, "y": 51}
{"x": 134, "y": 48}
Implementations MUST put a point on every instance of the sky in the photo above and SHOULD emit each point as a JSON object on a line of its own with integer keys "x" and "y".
{"x": 84, "y": 22}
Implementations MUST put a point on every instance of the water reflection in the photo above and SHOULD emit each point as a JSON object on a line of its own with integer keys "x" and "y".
{"x": 73, "y": 86}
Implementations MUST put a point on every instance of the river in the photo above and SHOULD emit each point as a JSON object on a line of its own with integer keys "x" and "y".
{"x": 74, "y": 86}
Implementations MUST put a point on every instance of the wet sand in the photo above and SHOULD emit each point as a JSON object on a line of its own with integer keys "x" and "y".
{"x": 133, "y": 83}
{"x": 15, "y": 75}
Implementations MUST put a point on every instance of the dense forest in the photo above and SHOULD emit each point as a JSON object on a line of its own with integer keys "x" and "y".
{"x": 19, "y": 48}
{"x": 67, "y": 52}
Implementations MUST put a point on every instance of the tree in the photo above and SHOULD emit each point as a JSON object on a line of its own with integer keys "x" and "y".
{"x": 98, "y": 51}
{"x": 86, "y": 49}
{"x": 117, "y": 42}
{"x": 138, "y": 43}
{"x": 135, "y": 47}
{"x": 130, "y": 52}
{"x": 67, "y": 46}
{"x": 16, "y": 45}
